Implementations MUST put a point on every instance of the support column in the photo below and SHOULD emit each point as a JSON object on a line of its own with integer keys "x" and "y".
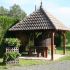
{"x": 45, "y": 52}
{"x": 64, "y": 43}
{"x": 37, "y": 54}
{"x": 52, "y": 45}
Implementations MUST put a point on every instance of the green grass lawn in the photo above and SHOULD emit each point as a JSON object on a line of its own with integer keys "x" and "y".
{"x": 59, "y": 50}
{"x": 32, "y": 62}
{"x": 66, "y": 58}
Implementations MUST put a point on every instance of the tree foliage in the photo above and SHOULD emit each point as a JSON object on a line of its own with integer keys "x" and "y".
{"x": 17, "y": 12}
{"x": 7, "y": 19}
{"x": 12, "y": 42}
{"x": 5, "y": 23}
{"x": 58, "y": 40}
{"x": 10, "y": 56}
{"x": 68, "y": 37}
{"x": 3, "y": 11}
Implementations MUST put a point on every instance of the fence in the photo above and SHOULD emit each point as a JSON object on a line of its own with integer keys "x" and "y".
{"x": 12, "y": 49}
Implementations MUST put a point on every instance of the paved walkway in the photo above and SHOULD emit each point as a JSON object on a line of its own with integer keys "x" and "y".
{"x": 56, "y": 56}
{"x": 54, "y": 66}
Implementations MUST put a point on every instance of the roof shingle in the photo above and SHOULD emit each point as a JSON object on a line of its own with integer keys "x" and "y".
{"x": 39, "y": 19}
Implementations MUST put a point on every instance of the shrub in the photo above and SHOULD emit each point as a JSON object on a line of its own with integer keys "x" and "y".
{"x": 10, "y": 56}
{"x": 14, "y": 42}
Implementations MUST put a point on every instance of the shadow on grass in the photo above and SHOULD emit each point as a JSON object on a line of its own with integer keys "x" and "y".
{"x": 2, "y": 64}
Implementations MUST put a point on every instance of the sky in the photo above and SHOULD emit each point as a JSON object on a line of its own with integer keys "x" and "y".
{"x": 58, "y": 8}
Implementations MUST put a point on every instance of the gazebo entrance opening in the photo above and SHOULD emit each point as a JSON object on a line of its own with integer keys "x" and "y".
{"x": 37, "y": 40}
{"x": 37, "y": 43}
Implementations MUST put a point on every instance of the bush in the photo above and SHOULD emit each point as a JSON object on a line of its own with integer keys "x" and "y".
{"x": 10, "y": 56}
{"x": 14, "y": 42}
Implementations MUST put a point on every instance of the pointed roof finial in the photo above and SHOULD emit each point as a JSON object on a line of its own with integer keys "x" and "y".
{"x": 35, "y": 7}
{"x": 41, "y": 4}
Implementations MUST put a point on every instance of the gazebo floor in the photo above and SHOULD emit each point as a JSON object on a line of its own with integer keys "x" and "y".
{"x": 56, "y": 57}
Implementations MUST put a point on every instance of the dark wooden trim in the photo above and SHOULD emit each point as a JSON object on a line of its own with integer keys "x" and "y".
{"x": 52, "y": 45}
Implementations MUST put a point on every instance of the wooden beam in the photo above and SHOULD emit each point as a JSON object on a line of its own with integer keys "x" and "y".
{"x": 64, "y": 43}
{"x": 52, "y": 45}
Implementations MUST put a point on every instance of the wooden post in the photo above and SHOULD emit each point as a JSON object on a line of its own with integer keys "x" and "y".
{"x": 37, "y": 54}
{"x": 64, "y": 43}
{"x": 45, "y": 52}
{"x": 52, "y": 44}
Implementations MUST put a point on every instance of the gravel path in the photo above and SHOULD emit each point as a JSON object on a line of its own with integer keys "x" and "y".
{"x": 54, "y": 66}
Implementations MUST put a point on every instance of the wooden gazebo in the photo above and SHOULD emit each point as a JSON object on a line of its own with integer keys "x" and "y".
{"x": 42, "y": 21}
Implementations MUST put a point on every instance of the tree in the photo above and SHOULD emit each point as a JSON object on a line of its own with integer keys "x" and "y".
{"x": 17, "y": 12}
{"x": 8, "y": 19}
{"x": 58, "y": 40}
{"x": 3, "y": 11}
{"x": 68, "y": 37}
{"x": 5, "y": 23}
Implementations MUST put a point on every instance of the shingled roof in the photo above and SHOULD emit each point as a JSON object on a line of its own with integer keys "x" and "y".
{"x": 39, "y": 20}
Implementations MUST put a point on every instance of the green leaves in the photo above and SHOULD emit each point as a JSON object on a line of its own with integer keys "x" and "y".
{"x": 68, "y": 37}
{"x": 17, "y": 12}
{"x": 5, "y": 23}
{"x": 12, "y": 42}
{"x": 9, "y": 18}
{"x": 10, "y": 56}
{"x": 3, "y": 11}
